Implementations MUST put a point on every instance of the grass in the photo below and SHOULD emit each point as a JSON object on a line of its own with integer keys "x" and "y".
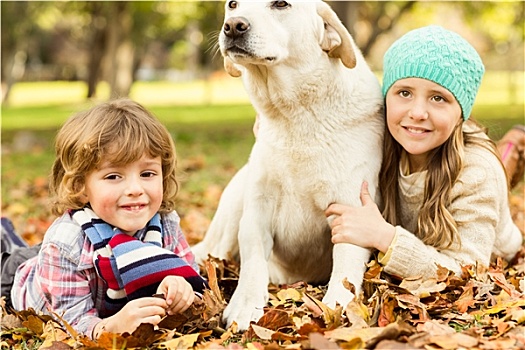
{"x": 211, "y": 123}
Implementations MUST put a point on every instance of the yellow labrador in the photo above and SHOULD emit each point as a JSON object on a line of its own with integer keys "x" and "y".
{"x": 320, "y": 136}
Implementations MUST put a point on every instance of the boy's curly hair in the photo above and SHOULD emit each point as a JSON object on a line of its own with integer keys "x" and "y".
{"x": 119, "y": 131}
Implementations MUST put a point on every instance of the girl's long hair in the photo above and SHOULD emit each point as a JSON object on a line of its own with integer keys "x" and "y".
{"x": 435, "y": 225}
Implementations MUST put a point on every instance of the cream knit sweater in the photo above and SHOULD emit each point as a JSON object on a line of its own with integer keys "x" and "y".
{"x": 480, "y": 207}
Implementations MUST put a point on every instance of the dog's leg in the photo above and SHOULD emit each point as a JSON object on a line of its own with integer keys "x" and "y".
{"x": 255, "y": 243}
{"x": 346, "y": 256}
{"x": 221, "y": 239}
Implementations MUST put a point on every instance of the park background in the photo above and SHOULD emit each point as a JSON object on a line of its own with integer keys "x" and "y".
{"x": 59, "y": 57}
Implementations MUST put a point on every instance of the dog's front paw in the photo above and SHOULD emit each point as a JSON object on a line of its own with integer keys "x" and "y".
{"x": 337, "y": 293}
{"x": 244, "y": 308}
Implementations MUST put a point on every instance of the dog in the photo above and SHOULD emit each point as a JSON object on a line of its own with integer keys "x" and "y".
{"x": 320, "y": 136}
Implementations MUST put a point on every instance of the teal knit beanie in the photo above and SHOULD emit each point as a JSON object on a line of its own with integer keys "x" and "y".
{"x": 438, "y": 55}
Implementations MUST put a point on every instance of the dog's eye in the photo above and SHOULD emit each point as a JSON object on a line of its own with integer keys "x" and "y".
{"x": 280, "y": 4}
{"x": 232, "y": 5}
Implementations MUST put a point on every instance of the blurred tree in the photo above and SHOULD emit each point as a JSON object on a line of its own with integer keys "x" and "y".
{"x": 381, "y": 16}
{"x": 98, "y": 34}
{"x": 117, "y": 35}
{"x": 17, "y": 39}
{"x": 111, "y": 40}
{"x": 121, "y": 33}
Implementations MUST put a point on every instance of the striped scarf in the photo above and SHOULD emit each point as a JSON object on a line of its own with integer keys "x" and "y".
{"x": 130, "y": 267}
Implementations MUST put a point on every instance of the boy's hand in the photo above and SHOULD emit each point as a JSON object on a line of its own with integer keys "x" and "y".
{"x": 138, "y": 311}
{"x": 178, "y": 293}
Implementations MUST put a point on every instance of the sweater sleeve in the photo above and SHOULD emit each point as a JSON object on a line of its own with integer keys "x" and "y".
{"x": 476, "y": 201}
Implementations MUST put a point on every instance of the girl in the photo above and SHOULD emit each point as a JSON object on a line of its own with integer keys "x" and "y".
{"x": 444, "y": 189}
{"x": 117, "y": 241}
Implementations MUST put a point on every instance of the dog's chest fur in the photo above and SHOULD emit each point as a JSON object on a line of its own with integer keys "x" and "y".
{"x": 311, "y": 152}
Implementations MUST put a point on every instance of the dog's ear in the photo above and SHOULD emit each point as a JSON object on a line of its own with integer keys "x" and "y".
{"x": 230, "y": 68}
{"x": 336, "y": 40}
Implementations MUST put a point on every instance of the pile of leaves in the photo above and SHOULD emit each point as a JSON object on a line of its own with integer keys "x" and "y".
{"x": 484, "y": 308}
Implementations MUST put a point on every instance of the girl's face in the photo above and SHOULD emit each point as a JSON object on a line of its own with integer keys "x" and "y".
{"x": 126, "y": 196}
{"x": 421, "y": 115}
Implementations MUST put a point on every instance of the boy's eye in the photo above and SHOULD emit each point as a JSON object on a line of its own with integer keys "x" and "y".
{"x": 148, "y": 174}
{"x": 404, "y": 93}
{"x": 111, "y": 177}
{"x": 438, "y": 98}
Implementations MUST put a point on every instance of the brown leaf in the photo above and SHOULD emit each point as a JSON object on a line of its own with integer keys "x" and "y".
{"x": 392, "y": 332}
{"x": 423, "y": 288}
{"x": 312, "y": 305}
{"x": 374, "y": 270}
{"x": 348, "y": 285}
{"x": 275, "y": 319}
{"x": 280, "y": 336}
{"x": 466, "y": 299}
{"x": 262, "y": 332}
{"x": 454, "y": 341}
{"x": 55, "y": 345}
{"x": 386, "y": 314}
{"x": 442, "y": 273}
{"x": 174, "y": 321}
{"x": 332, "y": 318}
{"x": 10, "y": 322}
{"x": 308, "y": 328}
{"x": 412, "y": 302}
{"x": 68, "y": 327}
{"x": 34, "y": 324}
{"x": 146, "y": 334}
{"x": 318, "y": 341}
{"x": 434, "y": 327}
{"x": 357, "y": 313}
{"x": 109, "y": 340}
{"x": 499, "y": 344}
{"x": 350, "y": 334}
{"x": 211, "y": 272}
{"x": 184, "y": 342}
{"x": 500, "y": 281}
{"x": 394, "y": 345}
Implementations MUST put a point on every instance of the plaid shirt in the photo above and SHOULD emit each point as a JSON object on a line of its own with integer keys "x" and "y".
{"x": 63, "y": 279}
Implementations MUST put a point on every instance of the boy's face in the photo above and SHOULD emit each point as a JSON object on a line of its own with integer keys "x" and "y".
{"x": 126, "y": 196}
{"x": 421, "y": 115}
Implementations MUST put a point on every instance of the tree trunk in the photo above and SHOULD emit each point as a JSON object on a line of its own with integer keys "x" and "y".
{"x": 120, "y": 50}
{"x": 96, "y": 50}
{"x": 349, "y": 12}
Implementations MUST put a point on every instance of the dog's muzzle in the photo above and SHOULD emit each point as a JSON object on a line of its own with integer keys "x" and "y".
{"x": 236, "y": 40}
{"x": 236, "y": 27}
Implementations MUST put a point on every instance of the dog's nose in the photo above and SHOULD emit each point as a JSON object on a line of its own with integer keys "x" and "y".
{"x": 235, "y": 27}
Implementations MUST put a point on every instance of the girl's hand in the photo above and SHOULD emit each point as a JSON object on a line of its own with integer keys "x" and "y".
{"x": 363, "y": 226}
{"x": 133, "y": 314}
{"x": 179, "y": 294}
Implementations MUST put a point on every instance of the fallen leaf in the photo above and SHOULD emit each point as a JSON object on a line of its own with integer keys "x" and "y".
{"x": 261, "y": 332}
{"x": 184, "y": 342}
{"x": 466, "y": 299}
{"x": 318, "y": 341}
{"x": 454, "y": 341}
